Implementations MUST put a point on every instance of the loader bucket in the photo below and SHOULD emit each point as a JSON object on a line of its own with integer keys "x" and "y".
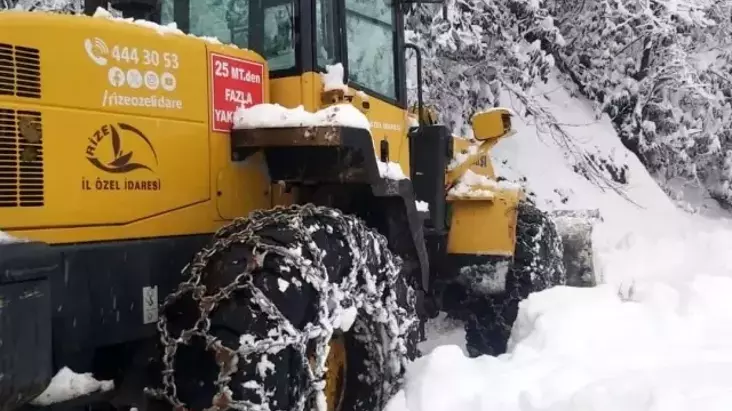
{"x": 575, "y": 229}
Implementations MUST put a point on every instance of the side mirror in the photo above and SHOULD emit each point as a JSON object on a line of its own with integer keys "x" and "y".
{"x": 492, "y": 124}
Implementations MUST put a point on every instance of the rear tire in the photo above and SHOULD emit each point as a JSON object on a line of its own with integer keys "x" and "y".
{"x": 537, "y": 266}
{"x": 284, "y": 310}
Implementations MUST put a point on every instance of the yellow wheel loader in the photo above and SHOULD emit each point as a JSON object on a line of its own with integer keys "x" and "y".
{"x": 207, "y": 224}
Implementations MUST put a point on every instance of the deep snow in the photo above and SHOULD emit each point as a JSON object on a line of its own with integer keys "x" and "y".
{"x": 655, "y": 336}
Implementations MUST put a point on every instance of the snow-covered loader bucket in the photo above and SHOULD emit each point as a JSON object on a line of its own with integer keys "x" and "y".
{"x": 575, "y": 228}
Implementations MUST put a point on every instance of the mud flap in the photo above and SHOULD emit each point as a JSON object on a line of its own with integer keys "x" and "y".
{"x": 575, "y": 228}
{"x": 25, "y": 321}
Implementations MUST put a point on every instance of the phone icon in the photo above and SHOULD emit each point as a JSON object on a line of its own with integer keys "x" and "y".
{"x": 97, "y": 49}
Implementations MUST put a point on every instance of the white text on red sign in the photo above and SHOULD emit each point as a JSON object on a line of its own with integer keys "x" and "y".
{"x": 235, "y": 83}
{"x": 223, "y": 69}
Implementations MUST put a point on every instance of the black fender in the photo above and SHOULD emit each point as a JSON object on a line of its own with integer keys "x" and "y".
{"x": 341, "y": 162}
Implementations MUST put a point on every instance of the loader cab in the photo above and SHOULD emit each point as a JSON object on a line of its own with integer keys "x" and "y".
{"x": 299, "y": 38}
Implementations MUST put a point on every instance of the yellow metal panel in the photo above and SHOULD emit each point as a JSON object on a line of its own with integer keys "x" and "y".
{"x": 110, "y": 169}
{"x": 484, "y": 228}
{"x": 184, "y": 221}
{"x": 240, "y": 186}
{"x": 97, "y": 64}
{"x": 153, "y": 91}
{"x": 287, "y": 91}
{"x": 243, "y": 187}
{"x": 390, "y": 122}
{"x": 312, "y": 85}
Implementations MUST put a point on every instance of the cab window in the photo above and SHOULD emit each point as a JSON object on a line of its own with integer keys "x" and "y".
{"x": 370, "y": 29}
{"x": 265, "y": 26}
{"x": 326, "y": 41}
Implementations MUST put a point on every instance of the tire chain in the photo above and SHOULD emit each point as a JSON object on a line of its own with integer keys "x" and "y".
{"x": 365, "y": 245}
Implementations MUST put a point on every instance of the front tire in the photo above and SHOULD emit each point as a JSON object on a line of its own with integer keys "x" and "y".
{"x": 537, "y": 266}
{"x": 251, "y": 325}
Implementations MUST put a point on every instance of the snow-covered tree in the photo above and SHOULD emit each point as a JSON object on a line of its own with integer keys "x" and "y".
{"x": 473, "y": 46}
{"x": 657, "y": 67}
{"x": 57, "y": 6}
{"x": 475, "y": 50}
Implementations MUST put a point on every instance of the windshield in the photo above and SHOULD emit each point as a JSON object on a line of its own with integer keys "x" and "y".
{"x": 370, "y": 34}
{"x": 265, "y": 26}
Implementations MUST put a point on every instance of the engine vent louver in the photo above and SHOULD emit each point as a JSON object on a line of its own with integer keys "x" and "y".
{"x": 21, "y": 158}
{"x": 20, "y": 71}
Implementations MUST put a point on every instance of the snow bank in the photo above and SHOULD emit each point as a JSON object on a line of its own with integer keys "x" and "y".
{"x": 67, "y": 385}
{"x": 657, "y": 336}
{"x": 275, "y": 115}
{"x": 636, "y": 211}
{"x": 661, "y": 341}
{"x": 593, "y": 349}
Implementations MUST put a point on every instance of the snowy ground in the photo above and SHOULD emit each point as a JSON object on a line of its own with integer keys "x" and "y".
{"x": 657, "y": 335}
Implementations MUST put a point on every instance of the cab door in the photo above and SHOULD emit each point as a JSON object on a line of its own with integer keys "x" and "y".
{"x": 367, "y": 38}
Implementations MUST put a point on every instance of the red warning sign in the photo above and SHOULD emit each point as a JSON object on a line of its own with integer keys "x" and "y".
{"x": 235, "y": 82}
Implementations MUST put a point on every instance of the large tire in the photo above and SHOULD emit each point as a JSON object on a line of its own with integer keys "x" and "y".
{"x": 275, "y": 285}
{"x": 537, "y": 265}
